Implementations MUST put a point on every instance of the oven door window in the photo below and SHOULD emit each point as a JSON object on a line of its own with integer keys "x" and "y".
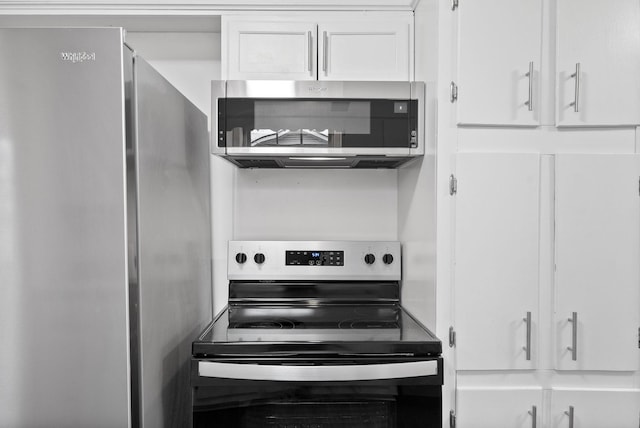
{"x": 404, "y": 403}
{"x": 300, "y": 123}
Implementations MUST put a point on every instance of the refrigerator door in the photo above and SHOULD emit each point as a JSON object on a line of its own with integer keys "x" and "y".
{"x": 174, "y": 245}
{"x": 63, "y": 264}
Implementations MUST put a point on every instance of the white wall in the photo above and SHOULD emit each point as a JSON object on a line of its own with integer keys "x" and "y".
{"x": 315, "y": 204}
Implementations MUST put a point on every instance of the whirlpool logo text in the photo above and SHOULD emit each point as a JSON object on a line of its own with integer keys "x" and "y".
{"x": 75, "y": 57}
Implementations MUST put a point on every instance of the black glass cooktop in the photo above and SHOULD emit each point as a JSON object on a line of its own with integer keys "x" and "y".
{"x": 323, "y": 329}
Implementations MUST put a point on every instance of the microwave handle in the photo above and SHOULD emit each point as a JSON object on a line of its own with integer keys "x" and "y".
{"x": 329, "y": 373}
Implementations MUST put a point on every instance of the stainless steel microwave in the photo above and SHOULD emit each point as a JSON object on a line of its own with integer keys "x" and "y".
{"x": 316, "y": 124}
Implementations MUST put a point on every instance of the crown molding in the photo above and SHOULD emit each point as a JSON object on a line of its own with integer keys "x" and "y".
{"x": 166, "y": 6}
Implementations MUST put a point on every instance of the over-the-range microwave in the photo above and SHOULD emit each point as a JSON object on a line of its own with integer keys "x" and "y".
{"x": 317, "y": 124}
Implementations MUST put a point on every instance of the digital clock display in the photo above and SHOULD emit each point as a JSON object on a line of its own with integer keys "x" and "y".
{"x": 314, "y": 258}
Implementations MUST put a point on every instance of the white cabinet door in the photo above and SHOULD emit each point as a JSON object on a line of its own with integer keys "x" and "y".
{"x": 617, "y": 408}
{"x": 600, "y": 39}
{"x": 498, "y": 40}
{"x": 496, "y": 261}
{"x": 498, "y": 408}
{"x": 597, "y": 224}
{"x": 270, "y": 50}
{"x": 364, "y": 50}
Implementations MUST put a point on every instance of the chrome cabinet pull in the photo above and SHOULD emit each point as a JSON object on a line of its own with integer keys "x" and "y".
{"x": 576, "y": 98}
{"x": 310, "y": 42}
{"x": 529, "y": 102}
{"x": 574, "y": 336}
{"x": 527, "y": 347}
{"x": 325, "y": 46}
{"x": 534, "y": 416}
{"x": 570, "y": 414}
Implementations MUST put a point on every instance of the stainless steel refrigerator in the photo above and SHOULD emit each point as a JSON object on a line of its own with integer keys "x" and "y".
{"x": 105, "y": 255}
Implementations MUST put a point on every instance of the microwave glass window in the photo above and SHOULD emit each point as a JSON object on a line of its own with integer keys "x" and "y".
{"x": 316, "y": 123}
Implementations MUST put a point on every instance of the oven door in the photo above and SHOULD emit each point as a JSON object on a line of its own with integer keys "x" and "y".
{"x": 292, "y": 393}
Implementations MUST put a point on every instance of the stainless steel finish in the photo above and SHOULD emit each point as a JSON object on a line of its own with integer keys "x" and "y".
{"x": 274, "y": 267}
{"x": 317, "y": 89}
{"x": 527, "y": 347}
{"x": 570, "y": 413}
{"x": 576, "y": 99}
{"x": 574, "y": 336}
{"x": 101, "y": 292}
{"x": 534, "y": 416}
{"x": 291, "y": 156}
{"x": 317, "y": 373}
{"x": 454, "y": 4}
{"x": 63, "y": 246}
{"x": 453, "y": 92}
{"x": 173, "y": 243}
{"x": 453, "y": 185}
{"x": 452, "y": 337}
{"x": 529, "y": 102}
{"x": 218, "y": 89}
{"x": 325, "y": 52}
{"x": 310, "y": 48}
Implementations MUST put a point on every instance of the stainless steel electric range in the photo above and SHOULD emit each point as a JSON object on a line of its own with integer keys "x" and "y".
{"x": 315, "y": 336}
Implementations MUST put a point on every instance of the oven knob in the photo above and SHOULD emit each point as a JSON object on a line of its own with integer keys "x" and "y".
{"x": 241, "y": 258}
{"x": 259, "y": 258}
{"x": 369, "y": 259}
{"x": 387, "y": 259}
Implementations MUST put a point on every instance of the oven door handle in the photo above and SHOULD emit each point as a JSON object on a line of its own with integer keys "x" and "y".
{"x": 321, "y": 373}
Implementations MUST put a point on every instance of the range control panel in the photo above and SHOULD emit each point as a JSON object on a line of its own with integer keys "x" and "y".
{"x": 314, "y": 260}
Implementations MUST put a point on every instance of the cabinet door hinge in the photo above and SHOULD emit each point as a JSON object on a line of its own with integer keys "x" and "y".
{"x": 454, "y": 4}
{"x": 452, "y": 419}
{"x": 454, "y": 92}
{"x": 638, "y": 337}
{"x": 452, "y": 337}
{"x": 453, "y": 185}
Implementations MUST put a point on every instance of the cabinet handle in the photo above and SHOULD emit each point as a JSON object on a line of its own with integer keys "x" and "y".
{"x": 534, "y": 416}
{"x": 529, "y": 102}
{"x": 325, "y": 55}
{"x": 527, "y": 347}
{"x": 576, "y": 98}
{"x": 574, "y": 336}
{"x": 310, "y": 42}
{"x": 570, "y": 414}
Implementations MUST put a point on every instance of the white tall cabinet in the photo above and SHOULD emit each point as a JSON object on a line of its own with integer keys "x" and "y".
{"x": 597, "y": 267}
{"x": 544, "y": 251}
{"x": 500, "y": 407}
{"x": 498, "y": 79}
{"x": 597, "y": 63}
{"x": 595, "y": 408}
{"x": 496, "y": 260}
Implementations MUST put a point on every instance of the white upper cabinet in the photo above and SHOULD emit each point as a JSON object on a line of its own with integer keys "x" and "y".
{"x": 499, "y": 62}
{"x": 496, "y": 261}
{"x": 597, "y": 280}
{"x": 368, "y": 46}
{"x": 270, "y": 50}
{"x": 366, "y": 50}
{"x": 598, "y": 63}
